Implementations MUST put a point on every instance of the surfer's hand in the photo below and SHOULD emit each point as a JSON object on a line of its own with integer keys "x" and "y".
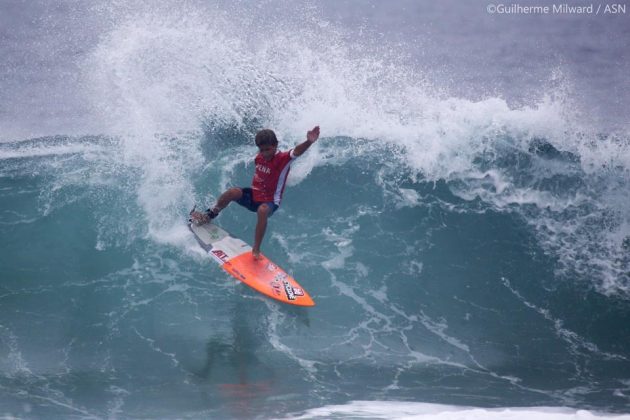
{"x": 313, "y": 135}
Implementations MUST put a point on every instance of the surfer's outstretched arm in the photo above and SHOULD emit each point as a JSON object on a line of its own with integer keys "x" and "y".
{"x": 311, "y": 137}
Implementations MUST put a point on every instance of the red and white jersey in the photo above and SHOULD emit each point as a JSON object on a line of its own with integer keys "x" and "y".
{"x": 270, "y": 177}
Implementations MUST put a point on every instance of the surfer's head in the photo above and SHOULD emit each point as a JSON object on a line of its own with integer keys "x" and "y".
{"x": 266, "y": 137}
{"x": 267, "y": 143}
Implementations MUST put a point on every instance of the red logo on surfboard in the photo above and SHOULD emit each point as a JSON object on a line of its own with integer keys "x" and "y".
{"x": 220, "y": 255}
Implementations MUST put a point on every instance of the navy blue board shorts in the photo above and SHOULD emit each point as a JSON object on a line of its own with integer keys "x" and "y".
{"x": 247, "y": 201}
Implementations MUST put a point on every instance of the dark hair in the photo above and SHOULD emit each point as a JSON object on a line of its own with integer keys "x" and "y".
{"x": 266, "y": 137}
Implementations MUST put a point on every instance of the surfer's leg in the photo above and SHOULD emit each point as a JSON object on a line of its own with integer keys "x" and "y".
{"x": 261, "y": 226}
{"x": 200, "y": 218}
{"x": 233, "y": 194}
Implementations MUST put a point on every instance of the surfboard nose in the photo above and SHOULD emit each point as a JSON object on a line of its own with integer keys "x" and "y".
{"x": 267, "y": 278}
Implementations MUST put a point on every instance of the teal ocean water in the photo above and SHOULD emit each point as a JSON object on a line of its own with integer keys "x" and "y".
{"x": 464, "y": 233}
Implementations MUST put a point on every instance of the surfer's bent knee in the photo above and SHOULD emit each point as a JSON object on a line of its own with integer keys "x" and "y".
{"x": 235, "y": 193}
{"x": 264, "y": 209}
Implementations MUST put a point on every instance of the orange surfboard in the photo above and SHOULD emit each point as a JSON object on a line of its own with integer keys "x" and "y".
{"x": 235, "y": 257}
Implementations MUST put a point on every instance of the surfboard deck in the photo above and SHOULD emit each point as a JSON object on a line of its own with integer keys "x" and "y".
{"x": 235, "y": 256}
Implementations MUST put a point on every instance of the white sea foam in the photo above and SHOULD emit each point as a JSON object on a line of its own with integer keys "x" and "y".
{"x": 414, "y": 410}
{"x": 50, "y": 151}
{"x": 159, "y": 78}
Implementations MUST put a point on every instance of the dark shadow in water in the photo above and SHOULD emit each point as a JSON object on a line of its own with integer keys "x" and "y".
{"x": 546, "y": 150}
{"x": 300, "y": 314}
{"x": 239, "y": 380}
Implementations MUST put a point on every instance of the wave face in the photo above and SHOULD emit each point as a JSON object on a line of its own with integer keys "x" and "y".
{"x": 468, "y": 250}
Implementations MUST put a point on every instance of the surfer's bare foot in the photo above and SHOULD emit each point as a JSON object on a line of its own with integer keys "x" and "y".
{"x": 256, "y": 255}
{"x": 199, "y": 218}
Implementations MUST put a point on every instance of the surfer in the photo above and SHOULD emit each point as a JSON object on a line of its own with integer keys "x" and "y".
{"x": 270, "y": 176}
